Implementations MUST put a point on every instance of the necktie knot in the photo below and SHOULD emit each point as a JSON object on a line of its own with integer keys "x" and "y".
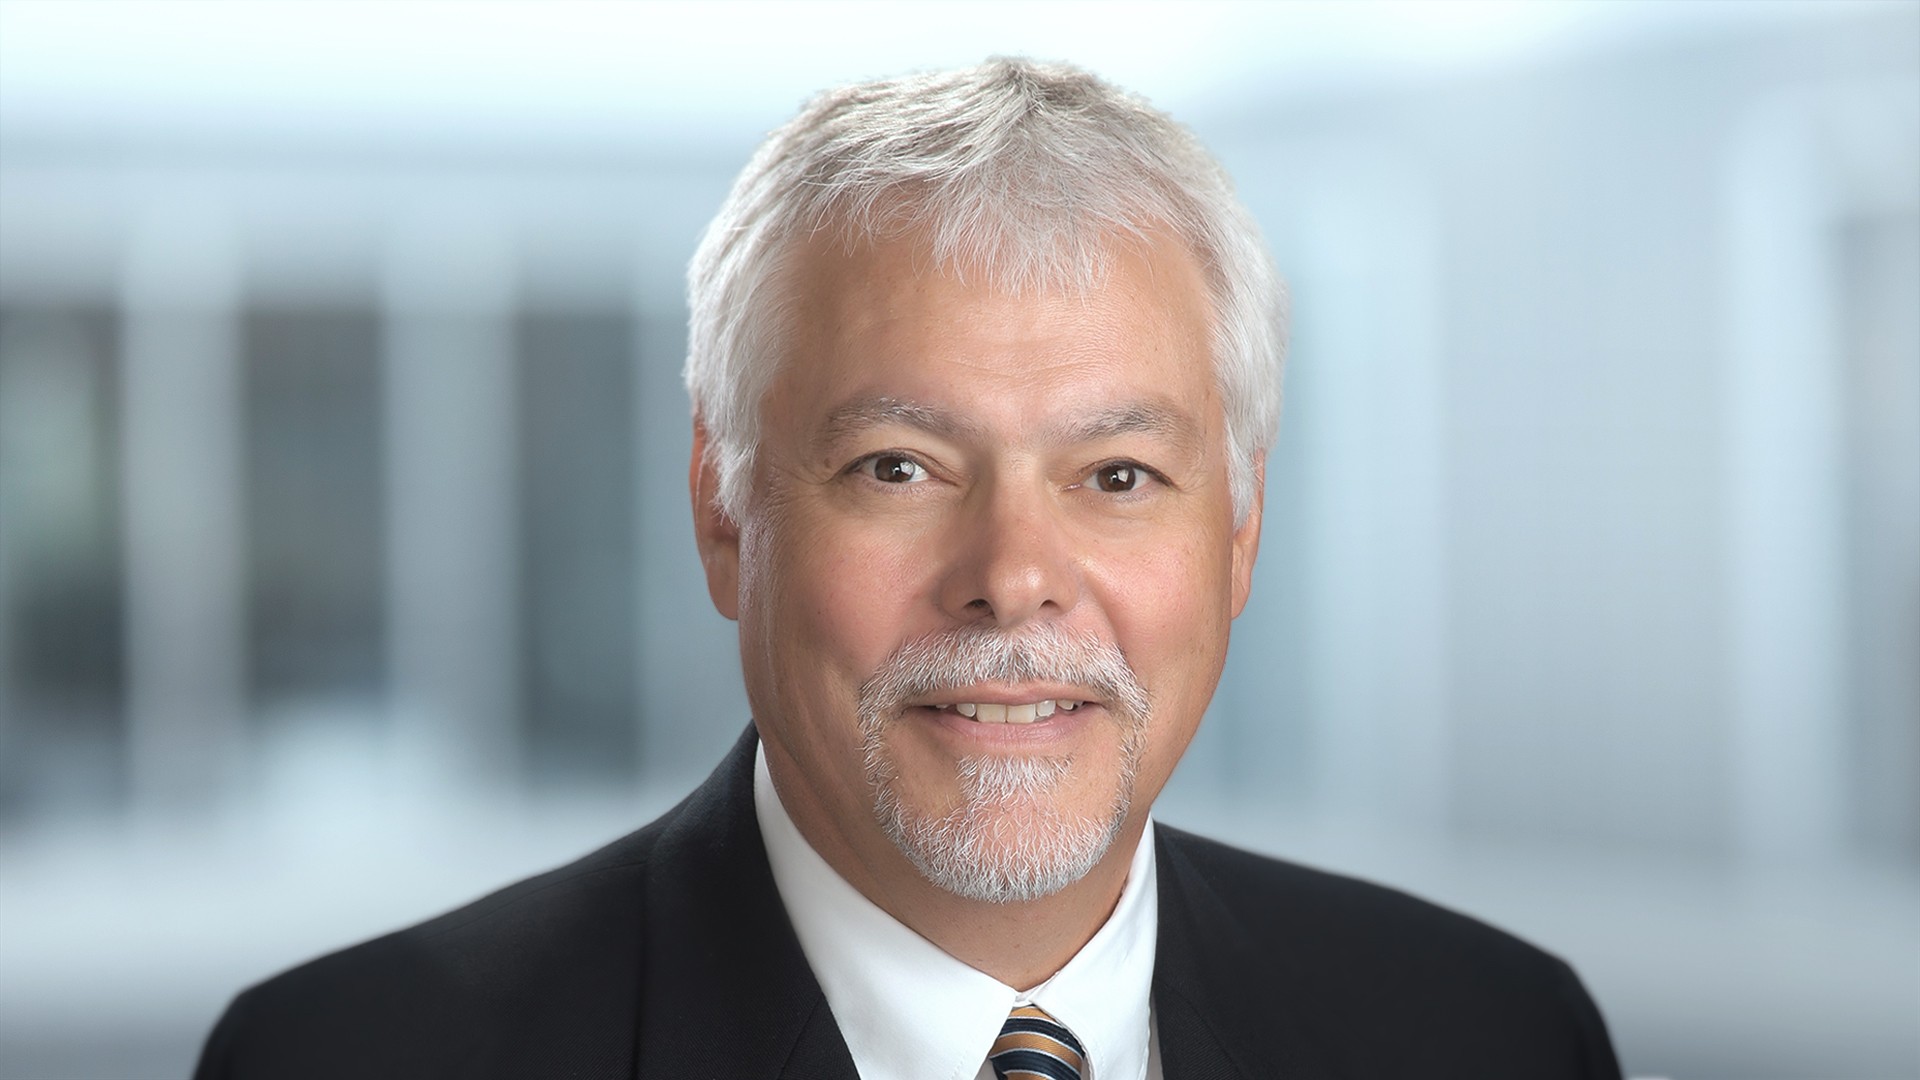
{"x": 1033, "y": 1044}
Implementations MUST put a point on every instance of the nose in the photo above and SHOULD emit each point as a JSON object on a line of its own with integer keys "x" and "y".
{"x": 1013, "y": 558}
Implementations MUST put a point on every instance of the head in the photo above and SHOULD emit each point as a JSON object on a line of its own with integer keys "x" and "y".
{"x": 985, "y": 366}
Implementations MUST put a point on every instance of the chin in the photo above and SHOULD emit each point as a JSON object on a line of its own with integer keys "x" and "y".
{"x": 1009, "y": 840}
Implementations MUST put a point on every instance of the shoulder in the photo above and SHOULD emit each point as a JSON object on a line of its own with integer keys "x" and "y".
{"x": 1347, "y": 918}
{"x": 424, "y": 1001}
{"x": 1373, "y": 971}
{"x": 547, "y": 977}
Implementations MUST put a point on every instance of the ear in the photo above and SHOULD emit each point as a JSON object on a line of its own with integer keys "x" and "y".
{"x": 716, "y": 534}
{"x": 1246, "y": 539}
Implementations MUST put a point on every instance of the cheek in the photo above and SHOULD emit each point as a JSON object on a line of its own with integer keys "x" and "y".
{"x": 835, "y": 599}
{"x": 1170, "y": 607}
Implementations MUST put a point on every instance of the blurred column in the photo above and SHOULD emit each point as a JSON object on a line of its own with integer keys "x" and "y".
{"x": 180, "y": 461}
{"x": 9, "y": 452}
{"x": 1372, "y": 409}
{"x": 1784, "y": 453}
{"x": 452, "y": 531}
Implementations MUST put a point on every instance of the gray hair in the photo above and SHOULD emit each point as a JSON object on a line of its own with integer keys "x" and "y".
{"x": 1022, "y": 171}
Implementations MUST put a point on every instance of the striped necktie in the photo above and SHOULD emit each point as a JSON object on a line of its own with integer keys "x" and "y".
{"x": 1033, "y": 1044}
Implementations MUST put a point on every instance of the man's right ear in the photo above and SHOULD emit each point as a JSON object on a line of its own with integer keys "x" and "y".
{"x": 716, "y": 534}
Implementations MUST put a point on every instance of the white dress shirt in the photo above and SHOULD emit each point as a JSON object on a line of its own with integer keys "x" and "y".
{"x": 910, "y": 1011}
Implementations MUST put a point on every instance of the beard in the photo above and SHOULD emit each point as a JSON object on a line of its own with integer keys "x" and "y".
{"x": 1008, "y": 840}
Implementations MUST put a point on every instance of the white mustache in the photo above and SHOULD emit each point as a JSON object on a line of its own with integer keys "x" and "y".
{"x": 968, "y": 656}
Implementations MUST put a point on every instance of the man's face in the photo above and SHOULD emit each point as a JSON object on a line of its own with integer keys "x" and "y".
{"x": 986, "y": 575}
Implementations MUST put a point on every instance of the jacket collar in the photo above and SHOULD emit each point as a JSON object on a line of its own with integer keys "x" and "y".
{"x": 727, "y": 991}
{"x": 1225, "y": 1010}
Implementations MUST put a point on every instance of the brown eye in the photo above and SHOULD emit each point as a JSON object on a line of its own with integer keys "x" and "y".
{"x": 893, "y": 469}
{"x": 1117, "y": 478}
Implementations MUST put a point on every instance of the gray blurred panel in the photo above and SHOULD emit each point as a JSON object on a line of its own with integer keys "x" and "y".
{"x": 315, "y": 512}
{"x": 577, "y": 548}
{"x": 1880, "y": 265}
{"x": 62, "y": 674}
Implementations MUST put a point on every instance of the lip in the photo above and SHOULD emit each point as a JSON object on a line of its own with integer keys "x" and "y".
{"x": 972, "y": 736}
{"x": 1021, "y": 695}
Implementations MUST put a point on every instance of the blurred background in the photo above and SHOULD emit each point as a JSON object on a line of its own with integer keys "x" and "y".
{"x": 346, "y": 568}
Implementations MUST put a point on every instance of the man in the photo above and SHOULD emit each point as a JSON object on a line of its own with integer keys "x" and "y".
{"x": 985, "y": 366}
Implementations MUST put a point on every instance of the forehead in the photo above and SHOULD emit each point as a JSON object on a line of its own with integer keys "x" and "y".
{"x": 884, "y": 320}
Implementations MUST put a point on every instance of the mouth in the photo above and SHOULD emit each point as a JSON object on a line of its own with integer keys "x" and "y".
{"x": 1000, "y": 712}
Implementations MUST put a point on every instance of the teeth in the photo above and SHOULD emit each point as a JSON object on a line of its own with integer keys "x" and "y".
{"x": 1014, "y": 714}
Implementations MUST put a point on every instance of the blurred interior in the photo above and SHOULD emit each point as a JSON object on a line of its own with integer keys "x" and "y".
{"x": 346, "y": 568}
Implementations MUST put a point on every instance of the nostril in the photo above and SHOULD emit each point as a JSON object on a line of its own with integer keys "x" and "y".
{"x": 979, "y": 605}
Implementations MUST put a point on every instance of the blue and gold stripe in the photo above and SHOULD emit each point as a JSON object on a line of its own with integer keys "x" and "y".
{"x": 1034, "y": 1045}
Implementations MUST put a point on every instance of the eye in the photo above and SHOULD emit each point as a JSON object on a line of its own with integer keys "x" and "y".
{"x": 891, "y": 468}
{"x": 1119, "y": 477}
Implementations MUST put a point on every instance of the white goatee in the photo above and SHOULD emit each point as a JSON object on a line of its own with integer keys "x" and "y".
{"x": 1008, "y": 840}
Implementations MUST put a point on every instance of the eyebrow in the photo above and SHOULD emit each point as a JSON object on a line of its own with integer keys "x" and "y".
{"x": 1155, "y": 418}
{"x": 1137, "y": 418}
{"x": 864, "y": 414}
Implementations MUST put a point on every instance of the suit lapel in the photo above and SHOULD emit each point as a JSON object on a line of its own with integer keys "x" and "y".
{"x": 727, "y": 991}
{"x": 1224, "y": 1009}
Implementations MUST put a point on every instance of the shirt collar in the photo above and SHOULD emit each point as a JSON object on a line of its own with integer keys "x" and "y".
{"x": 910, "y": 1011}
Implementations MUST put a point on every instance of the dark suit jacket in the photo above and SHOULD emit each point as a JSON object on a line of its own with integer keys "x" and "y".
{"x": 668, "y": 954}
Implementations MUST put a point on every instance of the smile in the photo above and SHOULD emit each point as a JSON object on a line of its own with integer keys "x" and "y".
{"x": 993, "y": 713}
